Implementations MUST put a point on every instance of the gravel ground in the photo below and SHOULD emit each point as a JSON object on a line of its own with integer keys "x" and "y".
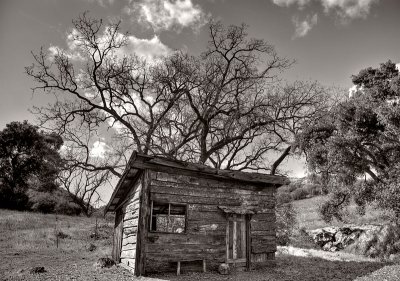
{"x": 73, "y": 266}
{"x": 387, "y": 273}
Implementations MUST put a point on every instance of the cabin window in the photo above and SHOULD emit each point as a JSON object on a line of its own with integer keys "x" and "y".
{"x": 167, "y": 217}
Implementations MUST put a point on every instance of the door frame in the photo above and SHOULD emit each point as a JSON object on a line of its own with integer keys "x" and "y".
{"x": 244, "y": 241}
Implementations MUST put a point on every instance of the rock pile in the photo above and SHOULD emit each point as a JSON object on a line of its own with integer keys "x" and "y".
{"x": 335, "y": 238}
{"x": 369, "y": 240}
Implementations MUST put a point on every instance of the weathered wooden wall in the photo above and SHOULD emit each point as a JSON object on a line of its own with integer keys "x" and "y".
{"x": 130, "y": 210}
{"x": 206, "y": 223}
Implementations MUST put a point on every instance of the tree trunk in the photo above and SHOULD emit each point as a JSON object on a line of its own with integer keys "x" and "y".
{"x": 280, "y": 159}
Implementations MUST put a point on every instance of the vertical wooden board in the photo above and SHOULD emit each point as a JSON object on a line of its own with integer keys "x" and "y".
{"x": 227, "y": 241}
{"x": 239, "y": 239}
{"x": 243, "y": 237}
{"x": 117, "y": 241}
{"x": 234, "y": 242}
{"x": 230, "y": 256}
{"x": 142, "y": 224}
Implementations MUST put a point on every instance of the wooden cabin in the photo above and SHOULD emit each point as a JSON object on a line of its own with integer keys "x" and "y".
{"x": 172, "y": 214}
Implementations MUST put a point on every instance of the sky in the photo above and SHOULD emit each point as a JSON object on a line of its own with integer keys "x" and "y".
{"x": 329, "y": 39}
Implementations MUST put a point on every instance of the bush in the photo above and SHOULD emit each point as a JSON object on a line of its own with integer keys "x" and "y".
{"x": 43, "y": 202}
{"x": 314, "y": 189}
{"x": 67, "y": 208}
{"x": 283, "y": 198}
{"x": 300, "y": 193}
{"x": 285, "y": 223}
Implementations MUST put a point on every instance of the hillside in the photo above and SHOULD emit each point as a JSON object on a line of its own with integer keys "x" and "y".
{"x": 65, "y": 246}
{"x": 308, "y": 215}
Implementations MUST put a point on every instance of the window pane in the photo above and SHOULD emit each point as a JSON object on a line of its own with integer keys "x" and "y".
{"x": 178, "y": 209}
{"x": 161, "y": 223}
{"x": 176, "y": 224}
{"x": 168, "y": 218}
{"x": 159, "y": 208}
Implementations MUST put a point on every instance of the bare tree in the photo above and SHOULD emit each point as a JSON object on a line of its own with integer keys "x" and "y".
{"x": 225, "y": 108}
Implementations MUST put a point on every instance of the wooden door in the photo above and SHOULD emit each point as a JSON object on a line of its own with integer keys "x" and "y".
{"x": 236, "y": 239}
{"x": 117, "y": 241}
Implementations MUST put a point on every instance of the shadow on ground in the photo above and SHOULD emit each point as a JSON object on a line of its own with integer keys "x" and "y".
{"x": 291, "y": 268}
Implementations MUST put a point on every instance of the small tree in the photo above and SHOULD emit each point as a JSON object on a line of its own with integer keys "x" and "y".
{"x": 28, "y": 158}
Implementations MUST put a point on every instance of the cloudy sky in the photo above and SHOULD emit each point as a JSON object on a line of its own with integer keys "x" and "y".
{"x": 330, "y": 39}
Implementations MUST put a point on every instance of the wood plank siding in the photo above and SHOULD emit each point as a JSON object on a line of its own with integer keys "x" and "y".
{"x": 130, "y": 214}
{"x": 206, "y": 226}
{"x": 170, "y": 211}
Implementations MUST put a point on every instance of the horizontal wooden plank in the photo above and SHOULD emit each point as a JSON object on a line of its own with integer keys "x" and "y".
{"x": 269, "y": 232}
{"x": 128, "y": 247}
{"x": 128, "y": 252}
{"x": 215, "y": 217}
{"x": 262, "y": 247}
{"x": 130, "y": 230}
{"x": 187, "y": 239}
{"x": 259, "y": 200}
{"x": 203, "y": 208}
{"x": 260, "y": 225}
{"x": 179, "y": 249}
{"x": 175, "y": 256}
{"x": 129, "y": 240}
{"x": 140, "y": 161}
{"x": 208, "y": 186}
{"x": 131, "y": 223}
{"x": 170, "y": 198}
{"x": 265, "y": 216}
{"x": 205, "y": 228}
{"x": 129, "y": 262}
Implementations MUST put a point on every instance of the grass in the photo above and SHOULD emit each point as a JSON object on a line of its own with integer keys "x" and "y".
{"x": 59, "y": 243}
{"x": 308, "y": 216}
{"x": 29, "y": 240}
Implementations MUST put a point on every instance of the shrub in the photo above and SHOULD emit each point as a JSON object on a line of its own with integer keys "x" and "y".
{"x": 283, "y": 197}
{"x": 285, "y": 223}
{"x": 43, "y": 202}
{"x": 67, "y": 208}
{"x": 300, "y": 193}
{"x": 314, "y": 189}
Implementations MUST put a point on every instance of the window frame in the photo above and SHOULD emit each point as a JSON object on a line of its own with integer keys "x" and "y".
{"x": 168, "y": 215}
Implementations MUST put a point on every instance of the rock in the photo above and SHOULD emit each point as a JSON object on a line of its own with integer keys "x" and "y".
{"x": 104, "y": 262}
{"x": 63, "y": 235}
{"x": 224, "y": 269}
{"x": 37, "y": 269}
{"x": 91, "y": 247}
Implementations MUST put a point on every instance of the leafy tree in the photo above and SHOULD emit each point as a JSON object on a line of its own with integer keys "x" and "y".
{"x": 360, "y": 136}
{"x": 28, "y": 158}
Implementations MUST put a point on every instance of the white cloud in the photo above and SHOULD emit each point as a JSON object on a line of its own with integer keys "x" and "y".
{"x": 348, "y": 9}
{"x": 287, "y": 3}
{"x": 99, "y": 149}
{"x": 149, "y": 49}
{"x": 345, "y": 9}
{"x": 55, "y": 50}
{"x": 168, "y": 14}
{"x": 103, "y": 3}
{"x": 303, "y": 27}
{"x": 398, "y": 66}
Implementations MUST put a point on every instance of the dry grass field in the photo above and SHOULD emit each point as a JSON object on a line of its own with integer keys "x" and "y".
{"x": 29, "y": 240}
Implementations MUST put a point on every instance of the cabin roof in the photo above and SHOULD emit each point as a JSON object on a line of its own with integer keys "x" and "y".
{"x": 139, "y": 162}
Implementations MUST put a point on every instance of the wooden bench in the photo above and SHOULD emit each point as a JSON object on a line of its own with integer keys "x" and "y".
{"x": 178, "y": 265}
